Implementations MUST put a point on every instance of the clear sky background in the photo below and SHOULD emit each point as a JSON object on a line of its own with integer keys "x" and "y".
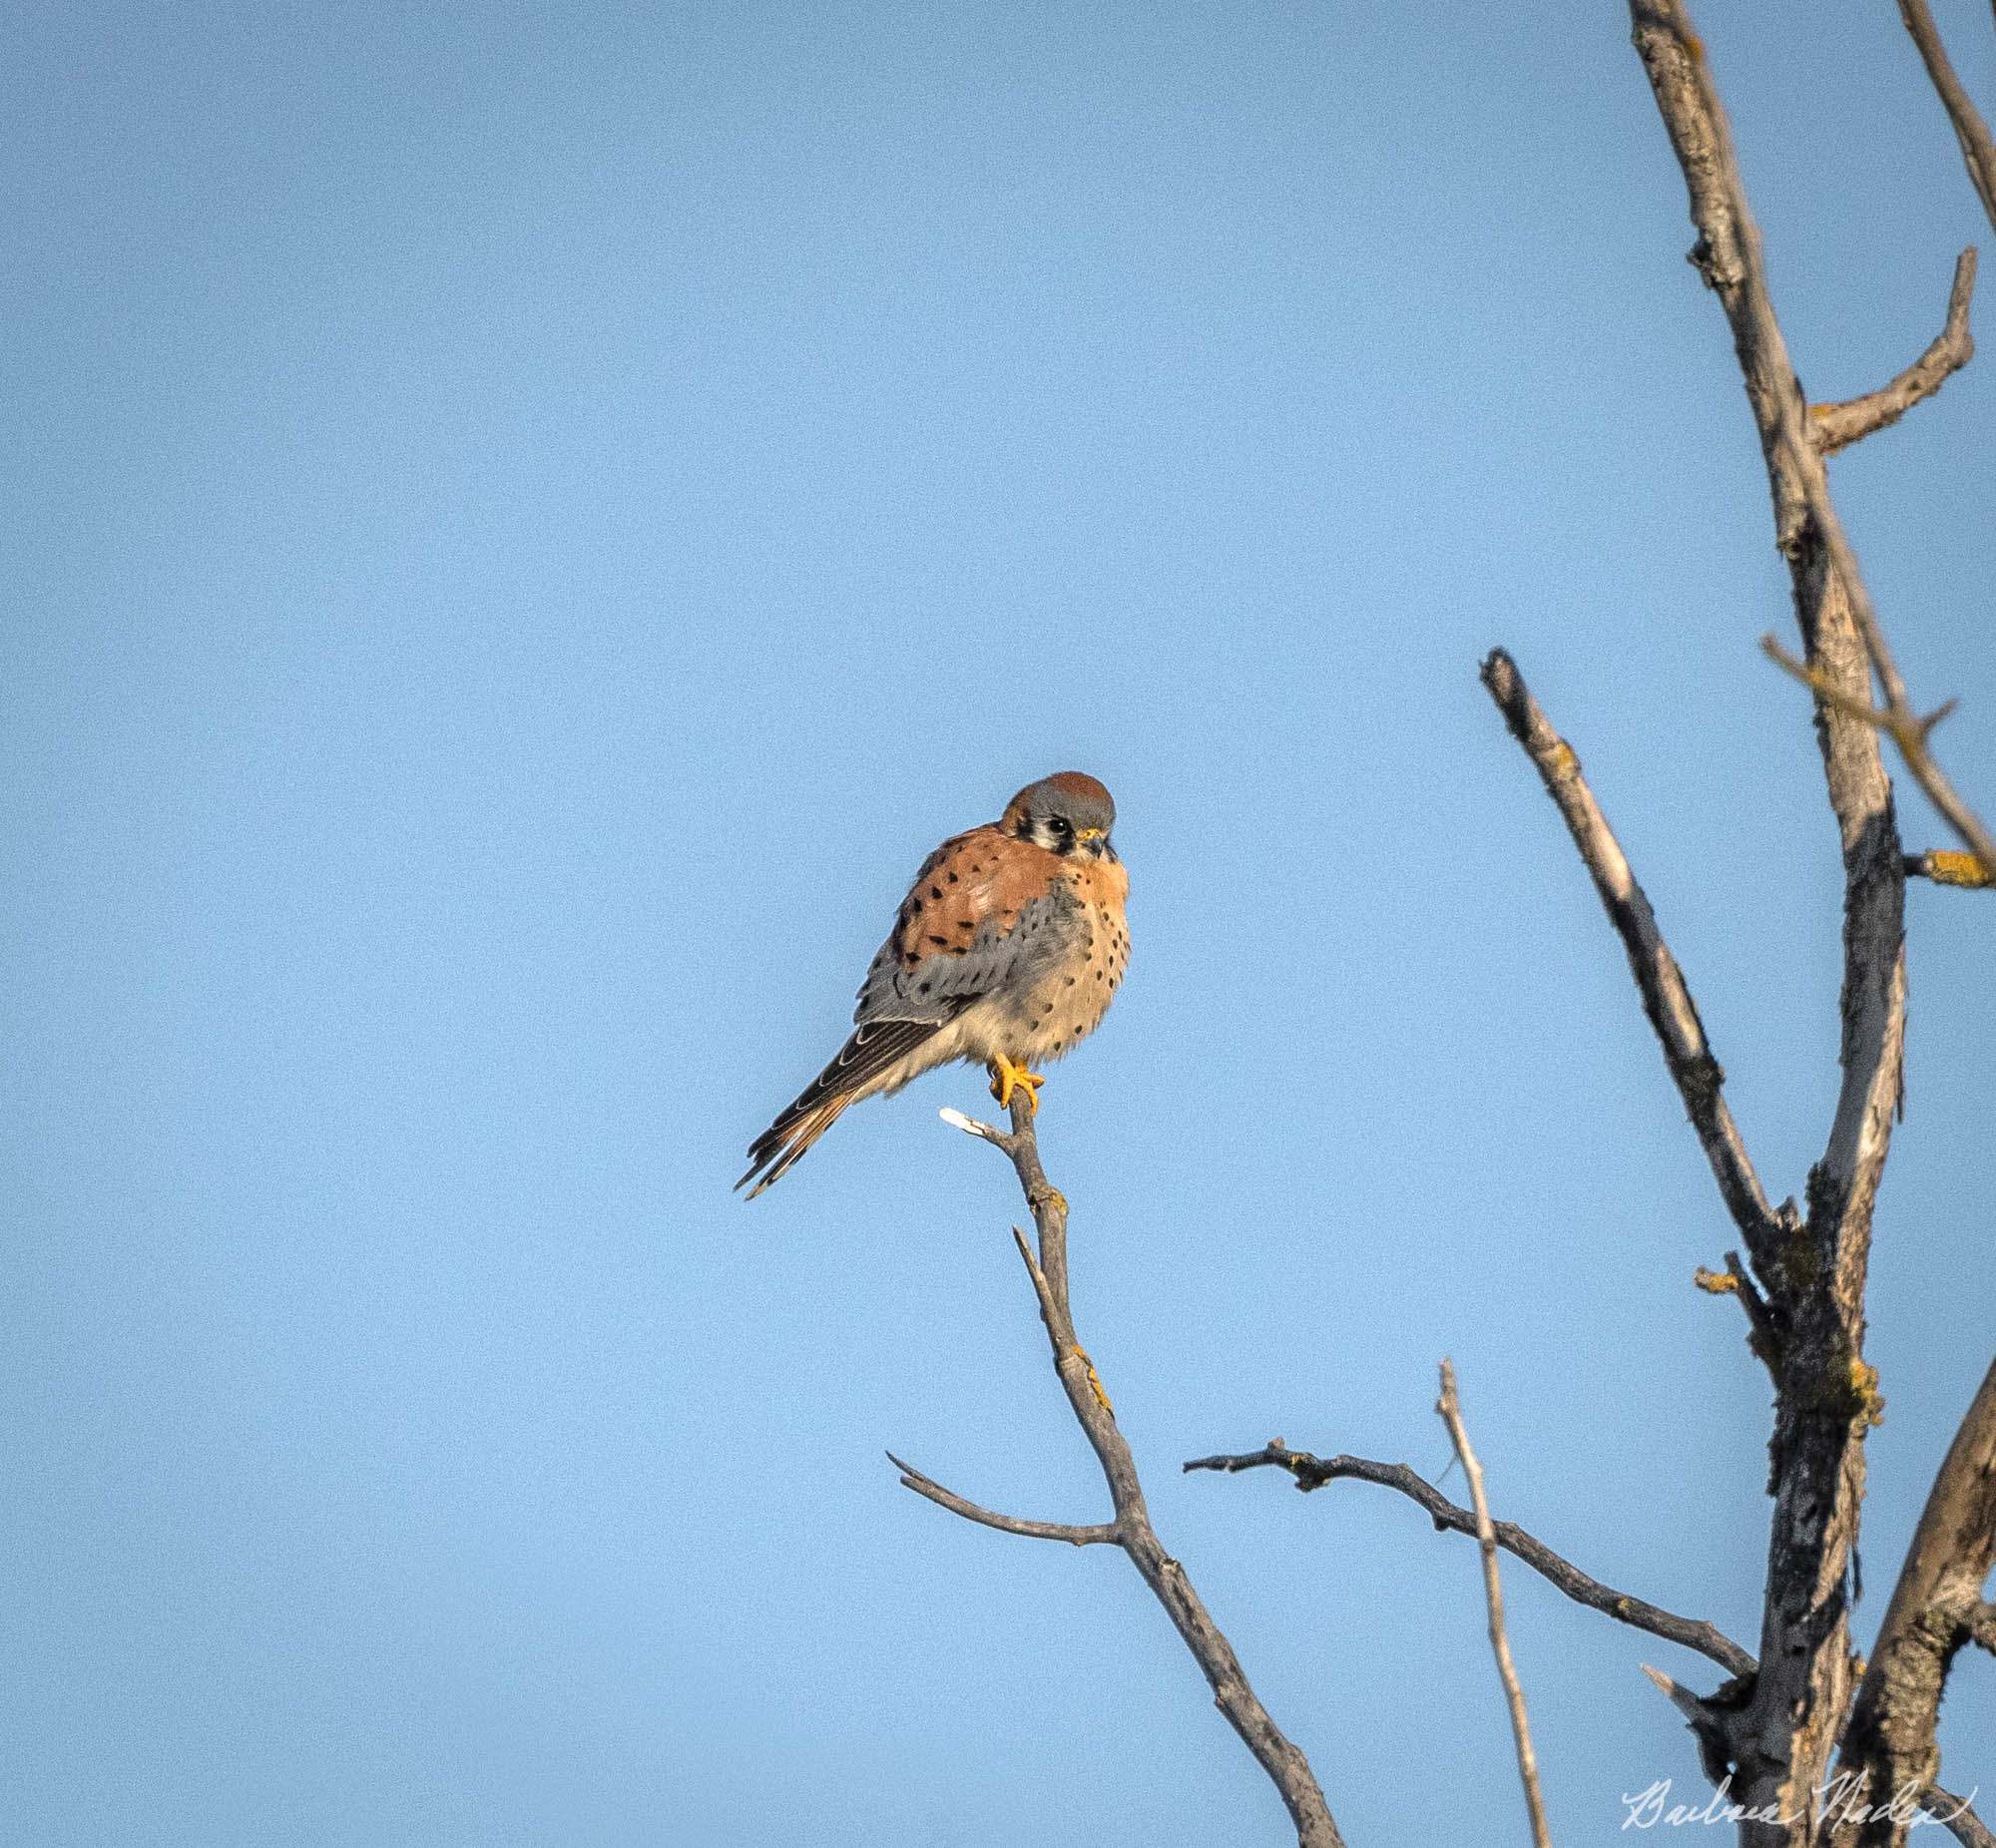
{"x": 527, "y": 523}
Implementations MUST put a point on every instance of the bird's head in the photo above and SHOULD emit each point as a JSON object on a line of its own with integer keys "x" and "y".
{"x": 1063, "y": 814}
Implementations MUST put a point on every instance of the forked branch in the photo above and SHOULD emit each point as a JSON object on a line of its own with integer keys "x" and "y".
{"x": 1314, "y": 1471}
{"x": 1780, "y": 1740}
{"x": 1130, "y": 1528}
{"x": 1729, "y": 255}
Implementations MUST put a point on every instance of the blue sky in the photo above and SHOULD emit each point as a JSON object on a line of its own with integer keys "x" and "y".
{"x": 527, "y": 524}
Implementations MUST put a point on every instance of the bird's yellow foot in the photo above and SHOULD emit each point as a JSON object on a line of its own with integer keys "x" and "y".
{"x": 1094, "y": 1380}
{"x": 1007, "y": 1078}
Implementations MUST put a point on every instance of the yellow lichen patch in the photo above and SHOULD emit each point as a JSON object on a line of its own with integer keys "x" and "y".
{"x": 1094, "y": 1380}
{"x": 1948, "y": 867}
{"x": 1864, "y": 1390}
{"x": 1715, "y": 1282}
{"x": 1562, "y": 759}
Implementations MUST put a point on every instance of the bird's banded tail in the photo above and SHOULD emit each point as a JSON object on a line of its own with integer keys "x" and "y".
{"x": 863, "y": 1062}
{"x": 782, "y": 1147}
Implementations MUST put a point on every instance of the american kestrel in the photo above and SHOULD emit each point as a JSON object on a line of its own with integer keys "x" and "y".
{"x": 1005, "y": 951}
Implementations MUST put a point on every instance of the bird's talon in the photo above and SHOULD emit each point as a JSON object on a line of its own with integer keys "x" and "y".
{"x": 1007, "y": 1078}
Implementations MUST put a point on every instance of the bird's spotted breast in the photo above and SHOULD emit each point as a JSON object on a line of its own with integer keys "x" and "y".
{"x": 1067, "y": 1001}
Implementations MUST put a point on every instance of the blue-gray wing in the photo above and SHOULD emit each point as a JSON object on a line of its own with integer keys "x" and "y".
{"x": 987, "y": 914}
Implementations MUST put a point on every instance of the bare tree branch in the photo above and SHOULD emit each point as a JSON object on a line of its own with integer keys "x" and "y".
{"x": 1102, "y": 1534}
{"x": 1837, "y": 426}
{"x": 1982, "y": 1627}
{"x": 1954, "y": 1815}
{"x": 1728, "y": 257}
{"x": 1314, "y": 1472}
{"x": 1826, "y": 1398}
{"x": 1977, "y": 150}
{"x": 1935, "y": 1608}
{"x": 1450, "y": 1406}
{"x": 1666, "y": 999}
{"x": 1131, "y": 1530}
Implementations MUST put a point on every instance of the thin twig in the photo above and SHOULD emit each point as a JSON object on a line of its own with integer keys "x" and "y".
{"x": 1450, "y": 1408}
{"x": 1103, "y": 1533}
{"x": 972, "y": 1126}
{"x": 1904, "y": 726}
{"x": 1666, "y": 998}
{"x": 1131, "y": 1530}
{"x": 1957, "y": 1818}
{"x": 1909, "y": 730}
{"x": 1314, "y": 1472}
{"x": 1978, "y": 152}
{"x": 1764, "y": 1338}
{"x": 1837, "y": 426}
{"x": 1705, "y": 1718}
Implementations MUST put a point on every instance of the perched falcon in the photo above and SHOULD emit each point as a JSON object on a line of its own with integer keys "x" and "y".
{"x": 1006, "y": 951}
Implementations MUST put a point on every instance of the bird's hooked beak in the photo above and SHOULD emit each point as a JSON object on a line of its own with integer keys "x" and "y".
{"x": 1097, "y": 843}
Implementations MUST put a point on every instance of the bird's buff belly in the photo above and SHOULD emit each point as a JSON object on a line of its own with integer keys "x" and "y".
{"x": 1067, "y": 1002}
{"x": 1046, "y": 1020}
